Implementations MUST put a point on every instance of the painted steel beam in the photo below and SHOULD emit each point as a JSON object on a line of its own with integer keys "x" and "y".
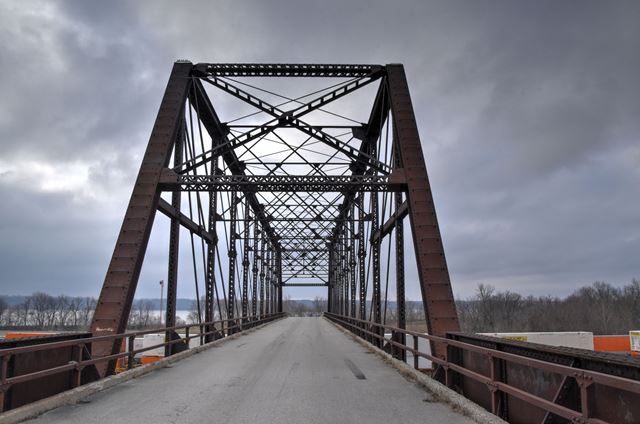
{"x": 389, "y": 225}
{"x": 167, "y": 209}
{"x": 119, "y": 287}
{"x": 286, "y": 70}
{"x": 435, "y": 283}
{"x": 171, "y": 181}
{"x": 174, "y": 251}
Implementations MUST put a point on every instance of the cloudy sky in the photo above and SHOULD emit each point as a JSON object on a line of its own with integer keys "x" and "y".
{"x": 528, "y": 112}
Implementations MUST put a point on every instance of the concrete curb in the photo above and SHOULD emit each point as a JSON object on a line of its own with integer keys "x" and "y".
{"x": 73, "y": 396}
{"x": 439, "y": 391}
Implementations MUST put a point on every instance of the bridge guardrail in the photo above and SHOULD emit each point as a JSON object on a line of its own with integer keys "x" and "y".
{"x": 81, "y": 348}
{"x": 586, "y": 380}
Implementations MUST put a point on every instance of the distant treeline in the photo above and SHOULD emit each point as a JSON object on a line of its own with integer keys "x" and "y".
{"x": 182, "y": 303}
{"x": 43, "y": 311}
{"x": 600, "y": 308}
{"x": 46, "y": 312}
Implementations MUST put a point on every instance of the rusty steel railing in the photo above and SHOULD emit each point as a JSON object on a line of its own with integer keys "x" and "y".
{"x": 586, "y": 380}
{"x": 81, "y": 353}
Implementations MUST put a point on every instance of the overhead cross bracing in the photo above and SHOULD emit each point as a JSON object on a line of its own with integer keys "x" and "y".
{"x": 284, "y": 175}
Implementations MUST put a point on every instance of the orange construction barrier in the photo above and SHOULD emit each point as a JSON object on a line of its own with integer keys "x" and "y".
{"x": 22, "y": 334}
{"x": 149, "y": 359}
{"x": 612, "y": 344}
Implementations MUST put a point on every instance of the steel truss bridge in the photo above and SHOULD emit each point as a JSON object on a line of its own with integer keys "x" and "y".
{"x": 309, "y": 189}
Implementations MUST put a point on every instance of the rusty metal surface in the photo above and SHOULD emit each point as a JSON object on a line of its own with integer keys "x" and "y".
{"x": 608, "y": 403}
{"x": 286, "y": 69}
{"x": 435, "y": 284}
{"x": 30, "y": 391}
{"x": 116, "y": 296}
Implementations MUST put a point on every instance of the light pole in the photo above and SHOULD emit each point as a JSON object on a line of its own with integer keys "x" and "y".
{"x": 161, "y": 294}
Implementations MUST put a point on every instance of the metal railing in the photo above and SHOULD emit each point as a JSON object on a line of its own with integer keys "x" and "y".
{"x": 585, "y": 379}
{"x": 217, "y": 329}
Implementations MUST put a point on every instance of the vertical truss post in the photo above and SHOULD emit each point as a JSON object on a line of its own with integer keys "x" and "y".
{"x": 336, "y": 282}
{"x": 273, "y": 280}
{"x": 245, "y": 262}
{"x": 435, "y": 284}
{"x": 268, "y": 282}
{"x": 352, "y": 263}
{"x": 233, "y": 211}
{"x": 362, "y": 255}
{"x": 400, "y": 293}
{"x": 376, "y": 298}
{"x": 114, "y": 303}
{"x": 340, "y": 270}
{"x": 331, "y": 282}
{"x": 210, "y": 277}
{"x": 262, "y": 274}
{"x": 343, "y": 275}
{"x": 174, "y": 249}
{"x": 254, "y": 270}
{"x": 376, "y": 302}
{"x": 375, "y": 260}
{"x": 345, "y": 268}
{"x": 279, "y": 278}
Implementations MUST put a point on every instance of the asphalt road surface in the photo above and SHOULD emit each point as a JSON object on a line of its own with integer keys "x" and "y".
{"x": 296, "y": 370}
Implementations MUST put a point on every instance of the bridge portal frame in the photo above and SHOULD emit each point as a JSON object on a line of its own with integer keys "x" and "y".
{"x": 407, "y": 174}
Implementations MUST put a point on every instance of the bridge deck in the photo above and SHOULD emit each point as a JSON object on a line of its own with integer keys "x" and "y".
{"x": 296, "y": 370}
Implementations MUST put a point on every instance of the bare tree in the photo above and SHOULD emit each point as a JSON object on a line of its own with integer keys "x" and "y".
{"x": 600, "y": 308}
{"x": 73, "y": 307}
{"x": 4, "y": 310}
{"x": 87, "y": 309}
{"x": 43, "y": 309}
{"x": 319, "y": 304}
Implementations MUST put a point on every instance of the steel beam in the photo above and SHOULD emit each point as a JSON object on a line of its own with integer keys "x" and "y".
{"x": 177, "y": 217}
{"x": 400, "y": 213}
{"x": 245, "y": 263}
{"x": 262, "y": 275}
{"x": 233, "y": 210}
{"x": 210, "y": 275}
{"x": 376, "y": 298}
{"x": 254, "y": 269}
{"x": 279, "y": 279}
{"x": 281, "y": 183}
{"x": 402, "y": 208}
{"x": 435, "y": 284}
{"x": 286, "y": 70}
{"x": 362, "y": 256}
{"x": 352, "y": 263}
{"x": 116, "y": 297}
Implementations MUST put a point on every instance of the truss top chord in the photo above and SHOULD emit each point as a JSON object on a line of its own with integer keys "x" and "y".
{"x": 287, "y": 70}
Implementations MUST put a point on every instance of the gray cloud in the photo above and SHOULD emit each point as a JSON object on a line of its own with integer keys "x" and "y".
{"x": 527, "y": 110}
